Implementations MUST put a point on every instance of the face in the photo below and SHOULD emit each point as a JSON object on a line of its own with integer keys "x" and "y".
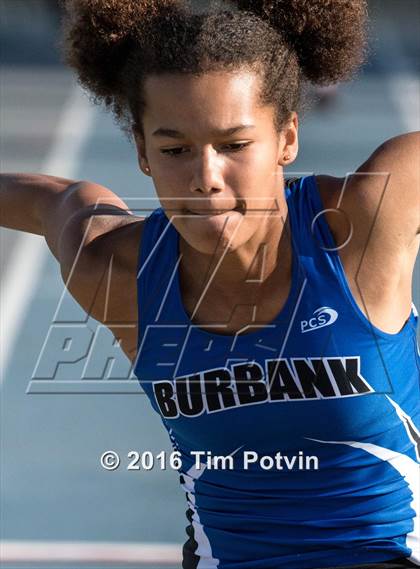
{"x": 215, "y": 156}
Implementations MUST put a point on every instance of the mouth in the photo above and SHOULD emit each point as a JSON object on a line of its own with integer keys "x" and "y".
{"x": 213, "y": 212}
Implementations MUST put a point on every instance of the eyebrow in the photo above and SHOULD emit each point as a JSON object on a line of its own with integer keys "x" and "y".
{"x": 170, "y": 133}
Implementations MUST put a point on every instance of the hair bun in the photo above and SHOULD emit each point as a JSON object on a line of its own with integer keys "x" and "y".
{"x": 99, "y": 34}
{"x": 328, "y": 36}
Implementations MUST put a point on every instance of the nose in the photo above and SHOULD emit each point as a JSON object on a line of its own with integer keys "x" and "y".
{"x": 207, "y": 173}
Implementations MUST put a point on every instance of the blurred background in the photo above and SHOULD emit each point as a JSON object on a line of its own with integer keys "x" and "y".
{"x": 53, "y": 488}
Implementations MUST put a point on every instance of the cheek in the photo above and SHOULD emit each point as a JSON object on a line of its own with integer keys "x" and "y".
{"x": 169, "y": 195}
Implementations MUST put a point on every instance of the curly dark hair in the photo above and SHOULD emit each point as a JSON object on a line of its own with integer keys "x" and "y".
{"x": 113, "y": 45}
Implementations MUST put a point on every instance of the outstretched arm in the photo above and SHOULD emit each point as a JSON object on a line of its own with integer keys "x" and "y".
{"x": 83, "y": 224}
{"x": 61, "y": 210}
{"x": 24, "y": 199}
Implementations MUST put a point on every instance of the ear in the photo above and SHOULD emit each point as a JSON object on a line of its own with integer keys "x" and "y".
{"x": 288, "y": 142}
{"x": 141, "y": 152}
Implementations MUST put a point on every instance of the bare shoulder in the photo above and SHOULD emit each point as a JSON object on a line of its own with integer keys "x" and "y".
{"x": 97, "y": 247}
{"x": 79, "y": 215}
{"x": 374, "y": 216}
{"x": 384, "y": 192}
{"x": 380, "y": 200}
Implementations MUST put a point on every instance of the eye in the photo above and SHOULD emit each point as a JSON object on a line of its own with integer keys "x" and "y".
{"x": 234, "y": 147}
{"x": 172, "y": 151}
{"x": 237, "y": 146}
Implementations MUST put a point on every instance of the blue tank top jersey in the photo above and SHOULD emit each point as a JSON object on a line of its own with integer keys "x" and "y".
{"x": 300, "y": 439}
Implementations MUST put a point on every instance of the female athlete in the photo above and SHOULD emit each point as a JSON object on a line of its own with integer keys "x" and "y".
{"x": 275, "y": 333}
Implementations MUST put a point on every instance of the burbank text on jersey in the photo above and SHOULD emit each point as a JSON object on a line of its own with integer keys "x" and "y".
{"x": 218, "y": 389}
{"x": 318, "y": 380}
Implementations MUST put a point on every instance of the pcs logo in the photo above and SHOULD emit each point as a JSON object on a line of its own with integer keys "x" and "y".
{"x": 323, "y": 316}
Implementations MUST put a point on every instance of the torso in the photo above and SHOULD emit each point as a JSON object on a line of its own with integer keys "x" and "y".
{"x": 379, "y": 279}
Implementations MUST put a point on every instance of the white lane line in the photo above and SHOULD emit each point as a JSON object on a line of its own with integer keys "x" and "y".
{"x": 30, "y": 251}
{"x": 90, "y": 552}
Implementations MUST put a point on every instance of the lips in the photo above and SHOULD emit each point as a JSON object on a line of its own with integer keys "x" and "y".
{"x": 210, "y": 212}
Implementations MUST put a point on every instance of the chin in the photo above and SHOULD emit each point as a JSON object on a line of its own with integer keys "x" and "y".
{"x": 213, "y": 234}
